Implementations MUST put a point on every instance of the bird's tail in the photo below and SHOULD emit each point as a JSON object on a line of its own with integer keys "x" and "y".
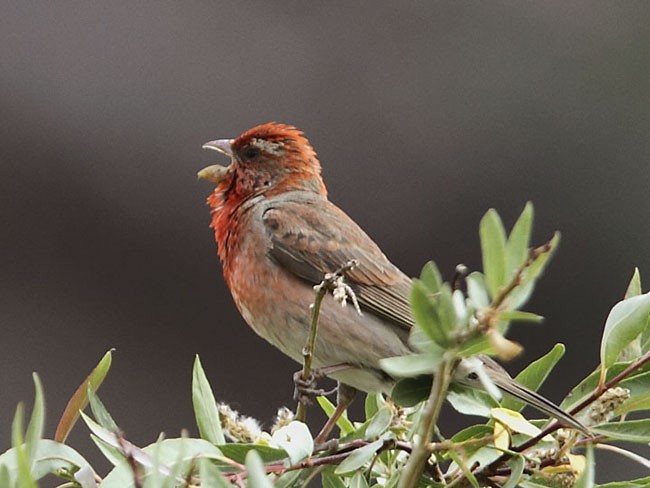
{"x": 469, "y": 374}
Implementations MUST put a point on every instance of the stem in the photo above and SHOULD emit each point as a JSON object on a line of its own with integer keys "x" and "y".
{"x": 613, "y": 382}
{"x": 428, "y": 418}
{"x": 581, "y": 406}
{"x": 308, "y": 351}
{"x": 588, "y": 401}
{"x": 533, "y": 254}
{"x": 334, "y": 458}
{"x": 487, "y": 316}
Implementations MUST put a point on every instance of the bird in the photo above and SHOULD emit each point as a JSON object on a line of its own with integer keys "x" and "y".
{"x": 278, "y": 234}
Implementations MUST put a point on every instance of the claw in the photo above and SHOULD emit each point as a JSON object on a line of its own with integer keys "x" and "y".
{"x": 305, "y": 390}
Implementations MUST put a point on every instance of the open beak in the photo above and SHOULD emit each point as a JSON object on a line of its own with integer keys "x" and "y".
{"x": 221, "y": 145}
{"x": 216, "y": 172}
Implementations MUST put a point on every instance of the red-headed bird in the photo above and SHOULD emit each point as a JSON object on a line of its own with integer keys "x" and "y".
{"x": 278, "y": 235}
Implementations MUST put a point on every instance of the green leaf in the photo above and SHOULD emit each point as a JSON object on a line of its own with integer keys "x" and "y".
{"x": 111, "y": 438}
{"x": 431, "y": 277}
{"x": 421, "y": 342}
{"x": 408, "y": 392}
{"x": 257, "y": 477}
{"x": 517, "y": 465}
{"x": 625, "y": 322}
{"x": 446, "y": 311}
{"x": 290, "y": 479}
{"x": 358, "y": 481}
{"x": 412, "y": 365}
{"x": 211, "y": 476}
{"x": 639, "y": 388}
{"x": 374, "y": 401}
{"x": 587, "y": 477}
{"x": 519, "y": 241}
{"x": 342, "y": 423}
{"x": 205, "y": 406}
{"x": 634, "y": 288}
{"x": 583, "y": 389}
{"x": 36, "y": 422}
{"x": 172, "y": 456}
{"x": 100, "y": 413}
{"x": 473, "y": 432}
{"x": 493, "y": 250}
{"x": 534, "y": 375}
{"x": 155, "y": 479}
{"x": 238, "y": 452}
{"x": 330, "y": 480}
{"x": 515, "y": 421}
{"x": 476, "y": 345}
{"x": 5, "y": 477}
{"x": 630, "y": 430}
{"x": 644, "y": 340}
{"x": 476, "y": 431}
{"x": 477, "y": 289}
{"x": 49, "y": 457}
{"x": 80, "y": 398}
{"x": 178, "y": 469}
{"x": 112, "y": 454}
{"x": 463, "y": 310}
{"x": 359, "y": 457}
{"x": 525, "y": 288}
{"x": 465, "y": 468}
{"x": 641, "y": 344}
{"x": 519, "y": 316}
{"x": 23, "y": 463}
{"x": 427, "y": 312}
{"x": 469, "y": 401}
{"x": 379, "y": 423}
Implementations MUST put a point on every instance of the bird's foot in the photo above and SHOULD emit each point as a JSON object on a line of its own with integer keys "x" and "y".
{"x": 305, "y": 390}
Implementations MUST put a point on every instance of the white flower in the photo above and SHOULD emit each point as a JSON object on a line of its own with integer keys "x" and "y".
{"x": 295, "y": 439}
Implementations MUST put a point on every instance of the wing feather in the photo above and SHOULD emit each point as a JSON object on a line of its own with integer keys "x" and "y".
{"x": 311, "y": 238}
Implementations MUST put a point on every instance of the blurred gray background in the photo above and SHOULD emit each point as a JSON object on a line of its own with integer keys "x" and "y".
{"x": 424, "y": 114}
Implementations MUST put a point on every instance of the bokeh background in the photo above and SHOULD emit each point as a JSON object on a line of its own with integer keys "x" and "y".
{"x": 424, "y": 114}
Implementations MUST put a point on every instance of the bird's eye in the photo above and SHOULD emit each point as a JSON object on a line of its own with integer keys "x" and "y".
{"x": 251, "y": 152}
{"x": 472, "y": 376}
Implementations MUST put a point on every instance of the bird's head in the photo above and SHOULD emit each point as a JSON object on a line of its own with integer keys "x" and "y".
{"x": 270, "y": 158}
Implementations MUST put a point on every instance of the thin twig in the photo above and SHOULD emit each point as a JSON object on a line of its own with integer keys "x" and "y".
{"x": 486, "y": 317}
{"x": 428, "y": 418}
{"x": 337, "y": 456}
{"x": 533, "y": 254}
{"x": 588, "y": 401}
{"x": 581, "y": 406}
{"x": 133, "y": 464}
{"x": 308, "y": 351}
{"x": 612, "y": 383}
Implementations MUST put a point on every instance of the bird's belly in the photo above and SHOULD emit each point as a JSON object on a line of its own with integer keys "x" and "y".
{"x": 276, "y": 305}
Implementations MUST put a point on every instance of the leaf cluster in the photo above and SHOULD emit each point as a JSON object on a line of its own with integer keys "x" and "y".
{"x": 398, "y": 443}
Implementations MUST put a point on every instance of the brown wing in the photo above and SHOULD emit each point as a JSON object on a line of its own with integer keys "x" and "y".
{"x": 311, "y": 237}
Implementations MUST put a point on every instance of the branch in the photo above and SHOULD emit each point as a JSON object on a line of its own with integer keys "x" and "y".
{"x": 308, "y": 351}
{"x": 597, "y": 393}
{"x": 334, "y": 458}
{"x": 428, "y": 418}
{"x": 533, "y": 254}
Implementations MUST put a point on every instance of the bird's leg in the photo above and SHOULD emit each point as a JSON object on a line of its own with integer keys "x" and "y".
{"x": 305, "y": 389}
{"x": 346, "y": 394}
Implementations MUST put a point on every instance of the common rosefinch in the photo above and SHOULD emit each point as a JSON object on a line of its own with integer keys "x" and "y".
{"x": 278, "y": 235}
